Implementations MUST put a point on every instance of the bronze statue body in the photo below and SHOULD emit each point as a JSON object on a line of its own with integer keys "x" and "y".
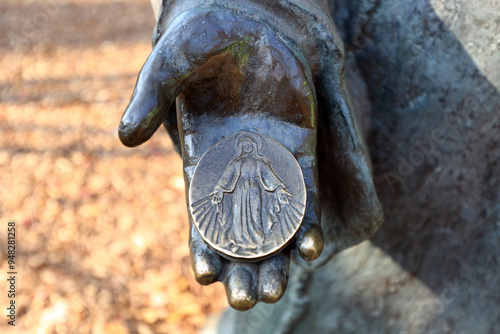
{"x": 276, "y": 69}
{"x": 273, "y": 68}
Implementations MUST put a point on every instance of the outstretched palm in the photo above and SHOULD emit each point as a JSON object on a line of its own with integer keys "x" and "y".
{"x": 229, "y": 74}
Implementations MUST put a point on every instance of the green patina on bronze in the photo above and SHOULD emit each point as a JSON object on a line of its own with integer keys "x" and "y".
{"x": 240, "y": 50}
{"x": 178, "y": 80}
{"x": 149, "y": 117}
{"x": 306, "y": 88}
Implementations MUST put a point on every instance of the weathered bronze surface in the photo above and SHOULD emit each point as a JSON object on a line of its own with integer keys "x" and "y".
{"x": 219, "y": 67}
{"x": 430, "y": 113}
{"x": 247, "y": 196}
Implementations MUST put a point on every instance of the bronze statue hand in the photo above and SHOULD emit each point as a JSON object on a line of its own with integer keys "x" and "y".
{"x": 231, "y": 74}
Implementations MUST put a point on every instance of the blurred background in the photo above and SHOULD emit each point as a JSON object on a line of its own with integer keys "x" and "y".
{"x": 102, "y": 237}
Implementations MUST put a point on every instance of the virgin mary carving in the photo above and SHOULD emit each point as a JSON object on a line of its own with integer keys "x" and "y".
{"x": 249, "y": 209}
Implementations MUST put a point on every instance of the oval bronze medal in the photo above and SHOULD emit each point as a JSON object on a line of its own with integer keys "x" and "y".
{"x": 247, "y": 196}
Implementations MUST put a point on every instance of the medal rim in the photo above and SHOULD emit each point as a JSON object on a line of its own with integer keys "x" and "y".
{"x": 224, "y": 252}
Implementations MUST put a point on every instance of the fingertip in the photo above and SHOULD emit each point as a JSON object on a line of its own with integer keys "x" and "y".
{"x": 240, "y": 294}
{"x": 205, "y": 263}
{"x": 274, "y": 278}
{"x": 310, "y": 245}
{"x": 273, "y": 287}
{"x": 127, "y": 135}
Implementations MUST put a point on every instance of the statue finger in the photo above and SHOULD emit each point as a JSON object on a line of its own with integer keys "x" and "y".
{"x": 240, "y": 285}
{"x": 310, "y": 242}
{"x": 149, "y": 103}
{"x": 206, "y": 264}
{"x": 309, "y": 237}
{"x": 273, "y": 277}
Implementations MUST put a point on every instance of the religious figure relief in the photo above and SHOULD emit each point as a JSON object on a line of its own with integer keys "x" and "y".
{"x": 249, "y": 212}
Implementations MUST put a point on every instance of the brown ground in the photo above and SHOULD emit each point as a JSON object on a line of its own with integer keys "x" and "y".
{"x": 101, "y": 228}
